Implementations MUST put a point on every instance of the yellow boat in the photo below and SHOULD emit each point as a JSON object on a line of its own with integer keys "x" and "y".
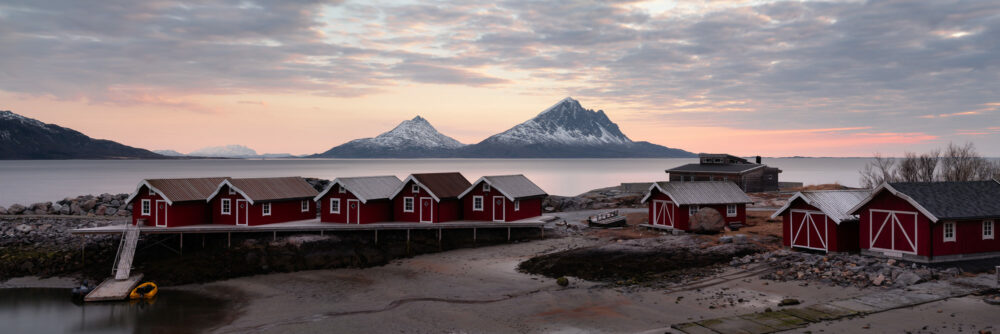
{"x": 144, "y": 291}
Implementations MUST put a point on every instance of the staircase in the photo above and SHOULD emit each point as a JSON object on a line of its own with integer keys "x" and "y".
{"x": 126, "y": 252}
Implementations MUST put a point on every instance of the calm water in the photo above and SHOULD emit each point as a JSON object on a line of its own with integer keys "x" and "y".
{"x": 45, "y": 180}
{"x": 51, "y": 311}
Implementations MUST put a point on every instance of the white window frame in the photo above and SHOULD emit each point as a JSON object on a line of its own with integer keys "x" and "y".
{"x": 226, "y": 207}
{"x": 408, "y": 200}
{"x": 151, "y": 192}
{"x": 304, "y": 205}
{"x": 335, "y": 206}
{"x": 486, "y": 187}
{"x": 946, "y": 229}
{"x": 517, "y": 205}
{"x": 734, "y": 212}
{"x": 988, "y": 226}
{"x": 341, "y": 189}
{"x": 231, "y": 191}
{"x": 477, "y": 203}
{"x": 692, "y": 209}
{"x": 146, "y": 207}
{"x": 265, "y": 209}
{"x": 414, "y": 188}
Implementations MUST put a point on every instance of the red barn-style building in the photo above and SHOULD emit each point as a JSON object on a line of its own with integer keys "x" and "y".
{"x": 429, "y": 198}
{"x": 259, "y": 201}
{"x": 502, "y": 198}
{"x": 672, "y": 203}
{"x": 931, "y": 221}
{"x": 173, "y": 202}
{"x": 821, "y": 220}
{"x": 358, "y": 200}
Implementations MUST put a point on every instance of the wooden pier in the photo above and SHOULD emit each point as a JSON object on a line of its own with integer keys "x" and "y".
{"x": 114, "y": 289}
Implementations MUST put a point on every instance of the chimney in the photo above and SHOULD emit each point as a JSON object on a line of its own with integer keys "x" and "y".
{"x": 758, "y": 160}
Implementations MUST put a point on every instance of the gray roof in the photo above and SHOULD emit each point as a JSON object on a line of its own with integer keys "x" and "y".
{"x": 512, "y": 186}
{"x": 700, "y": 192}
{"x": 836, "y": 204}
{"x": 366, "y": 188}
{"x": 711, "y": 168}
{"x": 268, "y": 189}
{"x": 954, "y": 200}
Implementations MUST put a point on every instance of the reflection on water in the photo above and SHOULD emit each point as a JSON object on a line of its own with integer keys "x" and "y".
{"x": 52, "y": 311}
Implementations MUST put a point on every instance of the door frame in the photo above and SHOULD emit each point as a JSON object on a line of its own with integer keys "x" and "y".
{"x": 892, "y": 218}
{"x": 669, "y": 209}
{"x": 503, "y": 208}
{"x": 357, "y": 211}
{"x": 430, "y": 209}
{"x": 165, "y": 211}
{"x": 807, "y": 221}
{"x": 245, "y": 214}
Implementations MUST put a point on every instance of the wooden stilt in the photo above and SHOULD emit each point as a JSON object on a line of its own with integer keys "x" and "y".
{"x": 473, "y": 235}
{"x": 182, "y": 243}
{"x": 229, "y": 239}
{"x": 274, "y": 236}
{"x": 440, "y": 247}
{"x": 508, "y": 234}
{"x": 202, "y": 241}
{"x": 376, "y": 237}
{"x": 407, "y": 241}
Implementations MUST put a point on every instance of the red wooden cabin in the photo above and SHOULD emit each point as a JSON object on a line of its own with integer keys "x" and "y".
{"x": 429, "y": 198}
{"x": 931, "y": 221}
{"x": 173, "y": 202}
{"x": 358, "y": 200}
{"x": 502, "y": 198}
{"x": 672, "y": 203}
{"x": 820, "y": 220}
{"x": 259, "y": 201}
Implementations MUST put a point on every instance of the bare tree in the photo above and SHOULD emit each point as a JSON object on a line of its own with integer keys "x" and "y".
{"x": 880, "y": 169}
{"x": 908, "y": 168}
{"x": 957, "y": 163}
{"x": 927, "y": 166}
{"x": 963, "y": 163}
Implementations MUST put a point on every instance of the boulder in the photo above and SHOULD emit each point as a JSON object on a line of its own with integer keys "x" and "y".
{"x": 55, "y": 208}
{"x": 16, "y": 209}
{"x": 65, "y": 209}
{"x": 75, "y": 209}
{"x": 3, "y": 210}
{"x": 907, "y": 278}
{"x": 708, "y": 221}
{"x": 89, "y": 204}
{"x": 111, "y": 211}
{"x": 41, "y": 208}
{"x": 101, "y": 210}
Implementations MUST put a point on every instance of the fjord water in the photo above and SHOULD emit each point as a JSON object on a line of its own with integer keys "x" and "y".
{"x": 31, "y": 181}
{"x": 52, "y": 311}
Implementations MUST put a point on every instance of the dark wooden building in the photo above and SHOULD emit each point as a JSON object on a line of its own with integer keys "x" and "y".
{"x": 749, "y": 176}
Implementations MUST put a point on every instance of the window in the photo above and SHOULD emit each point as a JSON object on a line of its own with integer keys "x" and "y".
{"x": 987, "y": 229}
{"x": 151, "y": 192}
{"x": 718, "y": 161}
{"x": 335, "y": 205}
{"x": 231, "y": 191}
{"x": 145, "y": 207}
{"x": 486, "y": 186}
{"x": 692, "y": 209}
{"x": 731, "y": 210}
{"x": 477, "y": 203}
{"x": 407, "y": 204}
{"x": 517, "y": 205}
{"x": 949, "y": 231}
{"x": 225, "y": 206}
{"x": 414, "y": 188}
{"x": 266, "y": 209}
{"x": 341, "y": 190}
{"x": 305, "y": 205}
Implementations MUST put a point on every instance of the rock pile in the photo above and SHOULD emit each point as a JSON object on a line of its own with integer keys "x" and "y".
{"x": 603, "y": 198}
{"x": 86, "y": 205}
{"x": 843, "y": 269}
{"x": 45, "y": 232}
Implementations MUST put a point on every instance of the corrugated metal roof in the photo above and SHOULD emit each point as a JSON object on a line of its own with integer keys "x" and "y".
{"x": 955, "y": 200}
{"x": 366, "y": 188}
{"x": 710, "y": 168}
{"x": 181, "y": 190}
{"x": 836, "y": 204}
{"x": 701, "y": 192}
{"x": 443, "y": 185}
{"x": 273, "y": 188}
{"x": 512, "y": 186}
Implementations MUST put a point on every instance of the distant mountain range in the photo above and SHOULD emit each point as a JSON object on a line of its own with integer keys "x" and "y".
{"x": 565, "y": 130}
{"x": 26, "y": 138}
{"x": 227, "y": 151}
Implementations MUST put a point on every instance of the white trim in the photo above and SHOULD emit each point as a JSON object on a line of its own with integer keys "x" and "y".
{"x": 693, "y": 209}
{"x": 894, "y": 192}
{"x": 246, "y": 212}
{"x": 341, "y": 190}
{"x": 481, "y": 204}
{"x": 231, "y": 191}
{"x": 145, "y": 207}
{"x": 139, "y": 187}
{"x": 429, "y": 207}
{"x": 338, "y": 181}
{"x": 332, "y": 207}
{"x": 357, "y": 211}
{"x": 265, "y": 209}
{"x": 668, "y": 215}
{"x": 808, "y": 221}
{"x": 156, "y": 217}
{"x": 414, "y": 188}
{"x": 225, "y": 206}
{"x": 486, "y": 186}
{"x": 304, "y": 202}
{"x": 503, "y": 208}
{"x": 407, "y": 180}
{"x": 893, "y": 220}
{"x": 992, "y": 230}
{"x": 944, "y": 232}
{"x": 484, "y": 179}
{"x": 736, "y": 210}
{"x": 151, "y": 191}
{"x": 232, "y": 187}
{"x": 517, "y": 205}
{"x": 413, "y": 204}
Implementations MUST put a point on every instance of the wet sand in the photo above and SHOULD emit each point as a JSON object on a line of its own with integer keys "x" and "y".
{"x": 479, "y": 291}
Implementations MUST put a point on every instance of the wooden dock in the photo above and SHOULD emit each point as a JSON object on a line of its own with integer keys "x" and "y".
{"x": 314, "y": 225}
{"x": 113, "y": 289}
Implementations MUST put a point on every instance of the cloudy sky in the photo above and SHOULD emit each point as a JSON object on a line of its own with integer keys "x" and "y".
{"x": 747, "y": 77}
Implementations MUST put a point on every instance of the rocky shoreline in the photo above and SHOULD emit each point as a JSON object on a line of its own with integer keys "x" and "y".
{"x": 843, "y": 269}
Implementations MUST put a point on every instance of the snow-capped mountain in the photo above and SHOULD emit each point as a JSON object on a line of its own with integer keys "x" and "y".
{"x": 169, "y": 153}
{"x": 410, "y": 139}
{"x": 228, "y": 151}
{"x": 27, "y": 138}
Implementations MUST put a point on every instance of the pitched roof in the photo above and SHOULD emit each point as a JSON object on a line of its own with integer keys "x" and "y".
{"x": 946, "y": 200}
{"x": 836, "y": 204}
{"x": 511, "y": 186}
{"x": 700, "y": 192}
{"x": 180, "y": 190}
{"x": 711, "y": 168}
{"x": 269, "y": 188}
{"x": 365, "y": 188}
{"x": 439, "y": 185}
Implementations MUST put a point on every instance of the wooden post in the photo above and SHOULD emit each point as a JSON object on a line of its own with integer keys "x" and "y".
{"x": 182, "y": 243}
{"x": 508, "y": 233}
{"x": 376, "y": 236}
{"x": 407, "y": 241}
{"x": 473, "y": 235}
{"x": 439, "y": 241}
{"x": 202, "y": 241}
{"x": 321, "y": 233}
{"x": 543, "y": 231}
{"x": 229, "y": 239}
{"x": 83, "y": 251}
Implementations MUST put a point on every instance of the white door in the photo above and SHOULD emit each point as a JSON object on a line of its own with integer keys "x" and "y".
{"x": 663, "y": 213}
{"x": 353, "y": 211}
{"x": 161, "y": 213}
{"x": 499, "y": 209}
{"x": 808, "y": 229}
{"x": 242, "y": 212}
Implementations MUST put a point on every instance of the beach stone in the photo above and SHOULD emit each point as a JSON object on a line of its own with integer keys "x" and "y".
{"x": 89, "y": 205}
{"x": 16, "y": 209}
{"x": 878, "y": 280}
{"x": 907, "y": 278}
{"x": 111, "y": 211}
{"x": 707, "y": 220}
{"x": 65, "y": 209}
{"x": 24, "y": 228}
{"x": 55, "y": 208}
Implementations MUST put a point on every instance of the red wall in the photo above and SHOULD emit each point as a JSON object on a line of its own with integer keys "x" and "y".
{"x": 681, "y": 218}
{"x": 446, "y": 210}
{"x": 281, "y": 211}
{"x": 529, "y": 207}
{"x": 887, "y": 201}
{"x": 840, "y": 238}
{"x": 178, "y": 214}
{"x": 372, "y": 212}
